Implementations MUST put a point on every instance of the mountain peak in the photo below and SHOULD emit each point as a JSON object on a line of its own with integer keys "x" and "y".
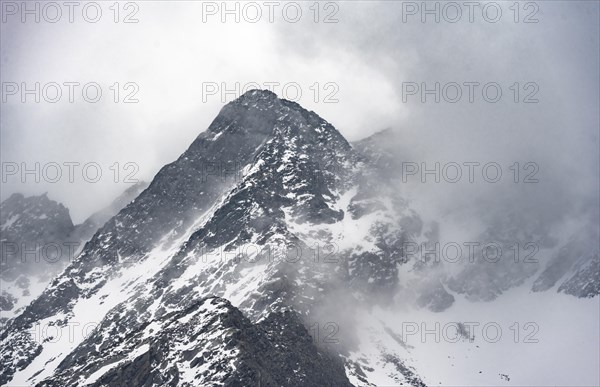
{"x": 258, "y": 94}
{"x": 262, "y": 99}
{"x": 262, "y": 113}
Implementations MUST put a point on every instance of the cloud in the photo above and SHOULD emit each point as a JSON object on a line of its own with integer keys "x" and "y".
{"x": 366, "y": 56}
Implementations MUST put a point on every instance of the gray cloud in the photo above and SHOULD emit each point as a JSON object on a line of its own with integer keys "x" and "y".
{"x": 367, "y": 54}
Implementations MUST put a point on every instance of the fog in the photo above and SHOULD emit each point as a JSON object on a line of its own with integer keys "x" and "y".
{"x": 364, "y": 58}
{"x": 488, "y": 125}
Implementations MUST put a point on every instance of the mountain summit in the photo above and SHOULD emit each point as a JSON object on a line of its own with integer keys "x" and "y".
{"x": 262, "y": 162}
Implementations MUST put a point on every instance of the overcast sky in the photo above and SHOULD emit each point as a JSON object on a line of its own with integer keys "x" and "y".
{"x": 361, "y": 61}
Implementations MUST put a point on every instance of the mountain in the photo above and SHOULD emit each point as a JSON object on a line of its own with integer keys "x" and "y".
{"x": 35, "y": 246}
{"x": 39, "y": 240}
{"x": 262, "y": 255}
{"x": 35, "y": 219}
{"x": 568, "y": 263}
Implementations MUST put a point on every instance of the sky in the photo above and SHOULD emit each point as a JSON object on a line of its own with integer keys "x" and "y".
{"x": 354, "y": 63}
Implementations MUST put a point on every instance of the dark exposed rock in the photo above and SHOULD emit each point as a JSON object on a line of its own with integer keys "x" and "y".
{"x": 221, "y": 347}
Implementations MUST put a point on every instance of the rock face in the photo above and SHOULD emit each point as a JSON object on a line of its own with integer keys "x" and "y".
{"x": 210, "y": 342}
{"x": 235, "y": 266}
